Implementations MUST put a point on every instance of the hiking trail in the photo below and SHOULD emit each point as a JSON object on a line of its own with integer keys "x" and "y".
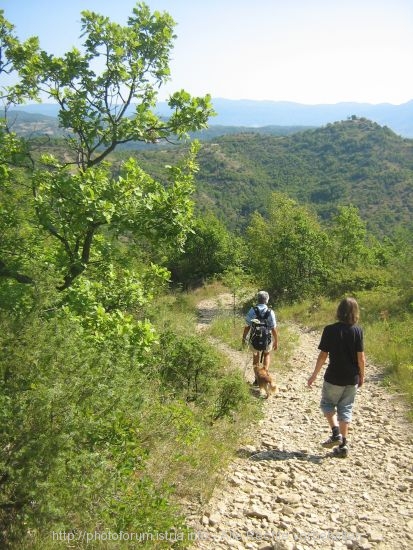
{"x": 283, "y": 491}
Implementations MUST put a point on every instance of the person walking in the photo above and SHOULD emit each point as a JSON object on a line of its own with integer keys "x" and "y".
{"x": 342, "y": 343}
{"x": 263, "y": 314}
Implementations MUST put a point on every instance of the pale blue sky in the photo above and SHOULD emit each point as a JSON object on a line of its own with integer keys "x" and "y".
{"x": 308, "y": 51}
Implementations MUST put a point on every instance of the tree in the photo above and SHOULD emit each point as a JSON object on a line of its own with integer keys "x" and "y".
{"x": 78, "y": 231}
{"x": 15, "y": 230}
{"x": 287, "y": 250}
{"x": 107, "y": 93}
{"x": 13, "y": 52}
{"x": 357, "y": 259}
{"x": 238, "y": 281}
{"x": 209, "y": 251}
{"x": 350, "y": 234}
{"x": 74, "y": 202}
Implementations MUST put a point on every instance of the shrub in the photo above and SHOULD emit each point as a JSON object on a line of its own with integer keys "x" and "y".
{"x": 232, "y": 395}
{"x": 349, "y": 281}
{"x": 71, "y": 453}
{"x": 186, "y": 365}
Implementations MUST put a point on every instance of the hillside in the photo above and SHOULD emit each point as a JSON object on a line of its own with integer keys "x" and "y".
{"x": 33, "y": 123}
{"x": 353, "y": 161}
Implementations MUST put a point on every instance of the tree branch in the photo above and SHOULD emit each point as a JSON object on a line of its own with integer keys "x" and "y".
{"x": 77, "y": 267}
{"x": 10, "y": 274}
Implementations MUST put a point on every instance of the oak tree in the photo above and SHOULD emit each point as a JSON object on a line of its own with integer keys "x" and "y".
{"x": 106, "y": 92}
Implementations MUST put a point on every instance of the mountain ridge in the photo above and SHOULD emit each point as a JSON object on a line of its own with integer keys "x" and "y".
{"x": 262, "y": 113}
{"x": 355, "y": 161}
{"x": 259, "y": 113}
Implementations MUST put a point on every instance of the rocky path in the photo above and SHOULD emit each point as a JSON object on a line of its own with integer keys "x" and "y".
{"x": 285, "y": 492}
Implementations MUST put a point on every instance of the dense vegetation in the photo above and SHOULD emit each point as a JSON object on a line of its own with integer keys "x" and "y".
{"x": 98, "y": 387}
{"x": 113, "y": 412}
{"x": 349, "y": 162}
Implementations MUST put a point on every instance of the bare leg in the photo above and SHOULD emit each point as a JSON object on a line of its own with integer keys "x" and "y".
{"x": 331, "y": 419}
{"x": 255, "y": 363}
{"x": 344, "y": 428}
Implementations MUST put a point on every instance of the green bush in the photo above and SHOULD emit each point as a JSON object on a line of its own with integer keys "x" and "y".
{"x": 72, "y": 457}
{"x": 87, "y": 421}
{"x": 345, "y": 280}
{"x": 199, "y": 410}
{"x": 233, "y": 394}
{"x": 186, "y": 365}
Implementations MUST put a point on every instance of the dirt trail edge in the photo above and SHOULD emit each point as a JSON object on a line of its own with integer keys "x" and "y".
{"x": 285, "y": 492}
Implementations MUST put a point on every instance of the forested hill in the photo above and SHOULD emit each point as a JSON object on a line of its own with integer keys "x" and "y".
{"x": 353, "y": 161}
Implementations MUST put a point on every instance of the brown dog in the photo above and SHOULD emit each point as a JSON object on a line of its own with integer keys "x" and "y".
{"x": 265, "y": 381}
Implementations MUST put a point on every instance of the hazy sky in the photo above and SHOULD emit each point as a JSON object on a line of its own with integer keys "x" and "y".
{"x": 308, "y": 51}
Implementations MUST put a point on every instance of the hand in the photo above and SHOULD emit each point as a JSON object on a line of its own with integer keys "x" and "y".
{"x": 361, "y": 380}
{"x": 311, "y": 380}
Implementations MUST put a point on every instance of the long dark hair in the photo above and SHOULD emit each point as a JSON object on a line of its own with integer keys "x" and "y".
{"x": 348, "y": 311}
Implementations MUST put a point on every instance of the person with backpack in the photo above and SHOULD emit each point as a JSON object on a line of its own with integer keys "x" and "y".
{"x": 342, "y": 344}
{"x": 260, "y": 331}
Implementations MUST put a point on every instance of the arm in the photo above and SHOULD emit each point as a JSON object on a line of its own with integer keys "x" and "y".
{"x": 274, "y": 331}
{"x": 321, "y": 359}
{"x": 247, "y": 327}
{"x": 274, "y": 338}
{"x": 361, "y": 363}
{"x": 245, "y": 334}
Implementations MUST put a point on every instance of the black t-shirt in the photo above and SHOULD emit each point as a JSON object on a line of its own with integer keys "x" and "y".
{"x": 342, "y": 342}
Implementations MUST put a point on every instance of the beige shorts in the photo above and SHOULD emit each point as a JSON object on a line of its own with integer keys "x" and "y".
{"x": 267, "y": 350}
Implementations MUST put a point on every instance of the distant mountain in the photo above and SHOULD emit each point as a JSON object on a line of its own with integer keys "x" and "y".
{"x": 33, "y": 124}
{"x": 261, "y": 113}
{"x": 28, "y": 120}
{"x": 256, "y": 114}
{"x": 355, "y": 161}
